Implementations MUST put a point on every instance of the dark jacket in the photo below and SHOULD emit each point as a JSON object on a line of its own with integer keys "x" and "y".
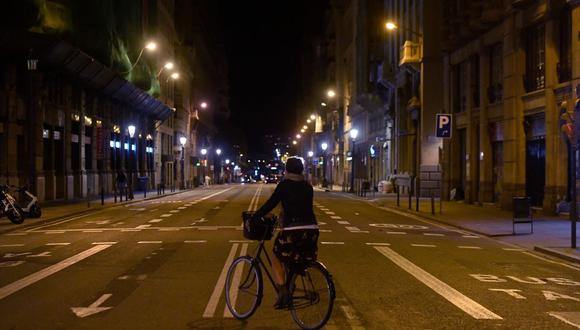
{"x": 296, "y": 196}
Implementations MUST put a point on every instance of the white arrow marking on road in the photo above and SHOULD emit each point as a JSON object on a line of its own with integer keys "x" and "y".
{"x": 93, "y": 308}
{"x": 455, "y": 297}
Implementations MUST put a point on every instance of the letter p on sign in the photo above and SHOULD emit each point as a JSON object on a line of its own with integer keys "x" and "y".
{"x": 444, "y": 124}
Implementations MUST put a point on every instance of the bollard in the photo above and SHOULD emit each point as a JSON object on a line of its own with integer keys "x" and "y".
{"x": 432, "y": 205}
{"x": 398, "y": 197}
{"x": 409, "y": 194}
{"x": 102, "y": 196}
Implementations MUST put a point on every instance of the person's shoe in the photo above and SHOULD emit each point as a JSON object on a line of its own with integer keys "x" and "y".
{"x": 283, "y": 298}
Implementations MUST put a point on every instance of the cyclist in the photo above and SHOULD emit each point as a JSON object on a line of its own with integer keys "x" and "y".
{"x": 298, "y": 238}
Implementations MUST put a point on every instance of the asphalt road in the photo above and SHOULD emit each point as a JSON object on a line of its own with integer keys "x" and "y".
{"x": 156, "y": 265}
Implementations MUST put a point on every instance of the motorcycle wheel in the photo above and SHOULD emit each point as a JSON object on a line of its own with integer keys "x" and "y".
{"x": 15, "y": 215}
{"x": 35, "y": 211}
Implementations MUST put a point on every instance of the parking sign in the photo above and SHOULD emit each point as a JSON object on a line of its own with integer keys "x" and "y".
{"x": 444, "y": 122}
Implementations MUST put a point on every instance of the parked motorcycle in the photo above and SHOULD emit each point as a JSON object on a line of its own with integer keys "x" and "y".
{"x": 9, "y": 206}
{"x": 31, "y": 209}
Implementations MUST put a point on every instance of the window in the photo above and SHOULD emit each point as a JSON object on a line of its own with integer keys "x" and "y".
{"x": 495, "y": 88}
{"x": 564, "y": 68}
{"x": 460, "y": 88}
{"x": 535, "y": 78}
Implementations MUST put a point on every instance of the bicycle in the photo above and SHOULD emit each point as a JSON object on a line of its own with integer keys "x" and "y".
{"x": 310, "y": 287}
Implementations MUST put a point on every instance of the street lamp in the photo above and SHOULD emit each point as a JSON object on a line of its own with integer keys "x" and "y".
{"x": 203, "y": 105}
{"x": 312, "y": 117}
{"x": 173, "y": 76}
{"x": 167, "y": 66}
{"x": 131, "y": 129}
{"x": 331, "y": 93}
{"x": 353, "y": 135}
{"x": 218, "y": 152}
{"x": 182, "y": 141}
{"x": 324, "y": 146}
{"x": 298, "y": 136}
{"x": 204, "y": 154}
{"x": 150, "y": 46}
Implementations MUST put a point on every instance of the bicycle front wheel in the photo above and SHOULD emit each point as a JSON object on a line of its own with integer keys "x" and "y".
{"x": 313, "y": 296}
{"x": 243, "y": 287}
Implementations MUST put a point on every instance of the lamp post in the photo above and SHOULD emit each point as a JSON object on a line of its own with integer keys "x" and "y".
{"x": 131, "y": 129}
{"x": 183, "y": 141}
{"x": 167, "y": 66}
{"x": 310, "y": 154}
{"x": 204, "y": 154}
{"x": 218, "y": 153}
{"x": 324, "y": 146}
{"x": 150, "y": 46}
{"x": 353, "y": 135}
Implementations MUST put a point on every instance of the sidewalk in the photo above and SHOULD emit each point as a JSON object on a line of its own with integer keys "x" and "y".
{"x": 551, "y": 233}
{"x": 55, "y": 210}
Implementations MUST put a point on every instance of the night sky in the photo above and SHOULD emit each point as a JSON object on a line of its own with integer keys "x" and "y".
{"x": 263, "y": 42}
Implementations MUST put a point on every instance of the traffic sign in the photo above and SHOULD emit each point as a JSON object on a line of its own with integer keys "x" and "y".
{"x": 444, "y": 124}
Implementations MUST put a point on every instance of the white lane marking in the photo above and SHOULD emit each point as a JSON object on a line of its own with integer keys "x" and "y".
{"x": 174, "y": 211}
{"x": 58, "y": 222}
{"x": 196, "y": 241}
{"x": 142, "y": 226}
{"x": 570, "y": 318}
{"x": 330, "y": 213}
{"x": 325, "y": 230}
{"x": 378, "y": 244}
{"x": 433, "y": 234}
{"x": 236, "y": 282}
{"x": 207, "y": 228}
{"x": 16, "y": 234}
{"x": 149, "y": 242}
{"x": 43, "y": 254}
{"x": 469, "y": 247}
{"x": 35, "y": 277}
{"x": 11, "y": 263}
{"x": 94, "y": 308}
{"x": 396, "y": 232}
{"x": 54, "y": 232}
{"x": 92, "y": 231}
{"x": 11, "y": 245}
{"x": 239, "y": 241}
{"x": 513, "y": 249}
{"x": 219, "y": 286}
{"x": 166, "y": 215}
{"x": 332, "y": 243}
{"x": 101, "y": 243}
{"x": 423, "y": 245}
{"x": 470, "y": 236}
{"x": 169, "y": 229}
{"x": 343, "y": 222}
{"x": 455, "y": 297}
{"x": 349, "y": 228}
{"x": 336, "y": 217}
{"x": 126, "y": 230}
{"x": 139, "y": 209}
{"x": 181, "y": 208}
{"x": 155, "y": 220}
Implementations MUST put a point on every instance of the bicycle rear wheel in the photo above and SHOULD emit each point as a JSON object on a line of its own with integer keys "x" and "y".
{"x": 313, "y": 296}
{"x": 243, "y": 287}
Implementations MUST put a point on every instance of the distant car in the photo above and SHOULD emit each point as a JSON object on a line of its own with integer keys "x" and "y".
{"x": 271, "y": 179}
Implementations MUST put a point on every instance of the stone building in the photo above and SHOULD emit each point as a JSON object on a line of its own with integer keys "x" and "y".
{"x": 509, "y": 67}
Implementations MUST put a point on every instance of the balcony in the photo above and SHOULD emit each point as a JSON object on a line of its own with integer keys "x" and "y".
{"x": 410, "y": 53}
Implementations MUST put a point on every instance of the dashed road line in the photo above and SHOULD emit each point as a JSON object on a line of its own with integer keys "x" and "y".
{"x": 470, "y": 236}
{"x": 424, "y": 245}
{"x": 174, "y": 211}
{"x": 16, "y": 234}
{"x": 149, "y": 242}
{"x": 332, "y": 243}
{"x": 513, "y": 249}
{"x": 142, "y": 226}
{"x": 92, "y": 231}
{"x": 155, "y": 220}
{"x": 195, "y": 241}
{"x": 166, "y": 215}
{"x": 325, "y": 230}
{"x": 336, "y": 217}
{"x": 378, "y": 244}
{"x": 219, "y": 286}
{"x": 330, "y": 213}
{"x": 396, "y": 233}
{"x": 57, "y": 244}
{"x": 181, "y": 208}
{"x": 469, "y": 247}
{"x": 101, "y": 243}
{"x": 11, "y": 245}
{"x": 433, "y": 234}
{"x": 169, "y": 229}
{"x": 128, "y": 230}
{"x": 343, "y": 222}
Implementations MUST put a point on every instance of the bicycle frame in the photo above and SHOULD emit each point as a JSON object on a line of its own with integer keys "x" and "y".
{"x": 258, "y": 260}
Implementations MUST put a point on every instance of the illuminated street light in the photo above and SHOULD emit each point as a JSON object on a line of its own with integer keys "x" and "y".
{"x": 203, "y": 105}
{"x": 310, "y": 153}
{"x": 323, "y": 104}
{"x": 353, "y": 133}
{"x": 131, "y": 129}
{"x": 227, "y": 161}
{"x": 167, "y": 66}
{"x": 305, "y": 127}
{"x": 183, "y": 140}
{"x": 218, "y": 151}
{"x": 324, "y": 146}
{"x": 298, "y": 136}
{"x": 308, "y": 121}
{"x": 175, "y": 75}
{"x": 204, "y": 151}
{"x": 391, "y": 26}
{"x": 312, "y": 116}
{"x": 302, "y": 130}
{"x": 331, "y": 93}
{"x": 150, "y": 46}
{"x": 294, "y": 142}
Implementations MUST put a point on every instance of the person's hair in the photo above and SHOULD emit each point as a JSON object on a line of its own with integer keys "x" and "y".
{"x": 294, "y": 165}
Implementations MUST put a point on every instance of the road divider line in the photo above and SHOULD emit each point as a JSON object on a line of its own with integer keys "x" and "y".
{"x": 396, "y": 233}
{"x": 219, "y": 286}
{"x": 424, "y": 245}
{"x": 332, "y": 243}
{"x": 469, "y": 247}
{"x": 343, "y": 222}
{"x": 236, "y": 282}
{"x": 155, "y": 220}
{"x": 11, "y": 245}
{"x": 16, "y": 234}
{"x": 570, "y": 318}
{"x": 166, "y": 215}
{"x": 149, "y": 242}
{"x": 195, "y": 241}
{"x": 104, "y": 243}
{"x": 35, "y": 277}
{"x": 433, "y": 234}
{"x": 142, "y": 226}
{"x": 335, "y": 217}
{"x": 378, "y": 244}
{"x": 455, "y": 297}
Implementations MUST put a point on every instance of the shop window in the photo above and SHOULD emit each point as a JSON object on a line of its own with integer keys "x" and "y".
{"x": 535, "y": 77}
{"x": 495, "y": 89}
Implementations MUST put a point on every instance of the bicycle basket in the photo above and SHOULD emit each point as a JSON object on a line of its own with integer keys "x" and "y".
{"x": 261, "y": 229}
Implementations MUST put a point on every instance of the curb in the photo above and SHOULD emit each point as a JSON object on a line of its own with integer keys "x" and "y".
{"x": 557, "y": 254}
{"x": 99, "y": 208}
